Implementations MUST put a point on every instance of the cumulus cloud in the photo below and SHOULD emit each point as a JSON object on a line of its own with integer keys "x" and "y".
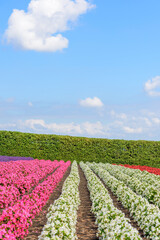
{"x": 85, "y": 128}
{"x": 147, "y": 121}
{"x": 136, "y": 127}
{"x": 39, "y": 28}
{"x": 41, "y": 125}
{"x": 116, "y": 122}
{"x": 156, "y": 120}
{"x": 7, "y": 125}
{"x": 132, "y": 130}
{"x": 151, "y": 86}
{"x": 122, "y": 116}
{"x": 91, "y": 102}
{"x": 30, "y": 104}
{"x": 93, "y": 128}
{"x": 34, "y": 123}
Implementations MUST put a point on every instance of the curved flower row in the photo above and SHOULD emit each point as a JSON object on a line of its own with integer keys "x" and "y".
{"x": 146, "y": 215}
{"x": 12, "y": 170}
{"x": 16, "y": 173}
{"x": 144, "y": 176}
{"x": 20, "y": 177}
{"x": 15, "y": 220}
{"x": 62, "y": 215}
{"x": 112, "y": 223}
{"x": 145, "y": 189}
{"x": 143, "y": 168}
{"x": 12, "y": 158}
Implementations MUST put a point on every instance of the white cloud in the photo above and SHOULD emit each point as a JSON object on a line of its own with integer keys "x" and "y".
{"x": 65, "y": 128}
{"x": 85, "y": 128}
{"x": 30, "y": 104}
{"x": 132, "y": 130}
{"x": 151, "y": 86}
{"x": 34, "y": 123}
{"x": 91, "y": 102}
{"x": 156, "y": 120}
{"x": 93, "y": 128}
{"x": 119, "y": 123}
{"x": 39, "y": 28}
{"x": 147, "y": 121}
{"x": 122, "y": 116}
{"x": 7, "y": 125}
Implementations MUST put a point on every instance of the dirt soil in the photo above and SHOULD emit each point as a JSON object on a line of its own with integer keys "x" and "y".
{"x": 119, "y": 205}
{"x": 86, "y": 227}
{"x": 40, "y": 220}
{"x": 31, "y": 189}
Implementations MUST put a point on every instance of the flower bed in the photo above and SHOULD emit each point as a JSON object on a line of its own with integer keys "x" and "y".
{"x": 17, "y": 178}
{"x": 138, "y": 185}
{"x": 62, "y": 215}
{"x": 146, "y": 215}
{"x": 143, "y": 168}
{"x": 15, "y": 220}
{"x": 111, "y": 222}
{"x": 10, "y": 158}
{"x": 143, "y": 176}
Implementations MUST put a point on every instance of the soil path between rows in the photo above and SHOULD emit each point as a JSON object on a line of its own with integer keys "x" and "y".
{"x": 40, "y": 220}
{"x": 86, "y": 227}
{"x": 119, "y": 205}
{"x": 40, "y": 181}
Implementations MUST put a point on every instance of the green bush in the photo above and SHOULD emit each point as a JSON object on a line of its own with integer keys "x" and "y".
{"x": 43, "y": 146}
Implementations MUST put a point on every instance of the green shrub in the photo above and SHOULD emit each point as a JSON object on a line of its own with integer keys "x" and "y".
{"x": 43, "y": 146}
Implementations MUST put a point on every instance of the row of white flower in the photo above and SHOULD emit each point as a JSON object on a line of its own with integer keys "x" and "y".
{"x": 62, "y": 215}
{"x": 112, "y": 224}
{"x": 146, "y": 215}
{"x": 143, "y": 176}
{"x": 151, "y": 193}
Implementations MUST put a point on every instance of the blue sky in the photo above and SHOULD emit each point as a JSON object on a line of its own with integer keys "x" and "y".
{"x": 84, "y": 68}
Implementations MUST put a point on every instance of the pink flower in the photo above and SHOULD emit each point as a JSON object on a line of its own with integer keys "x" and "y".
{"x": 15, "y": 220}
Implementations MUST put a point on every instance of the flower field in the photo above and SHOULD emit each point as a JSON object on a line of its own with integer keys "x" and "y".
{"x": 144, "y": 168}
{"x": 90, "y": 201}
{"x": 8, "y": 158}
{"x": 18, "y": 212}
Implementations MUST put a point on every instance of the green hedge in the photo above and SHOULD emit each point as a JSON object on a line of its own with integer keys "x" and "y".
{"x": 43, "y": 146}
